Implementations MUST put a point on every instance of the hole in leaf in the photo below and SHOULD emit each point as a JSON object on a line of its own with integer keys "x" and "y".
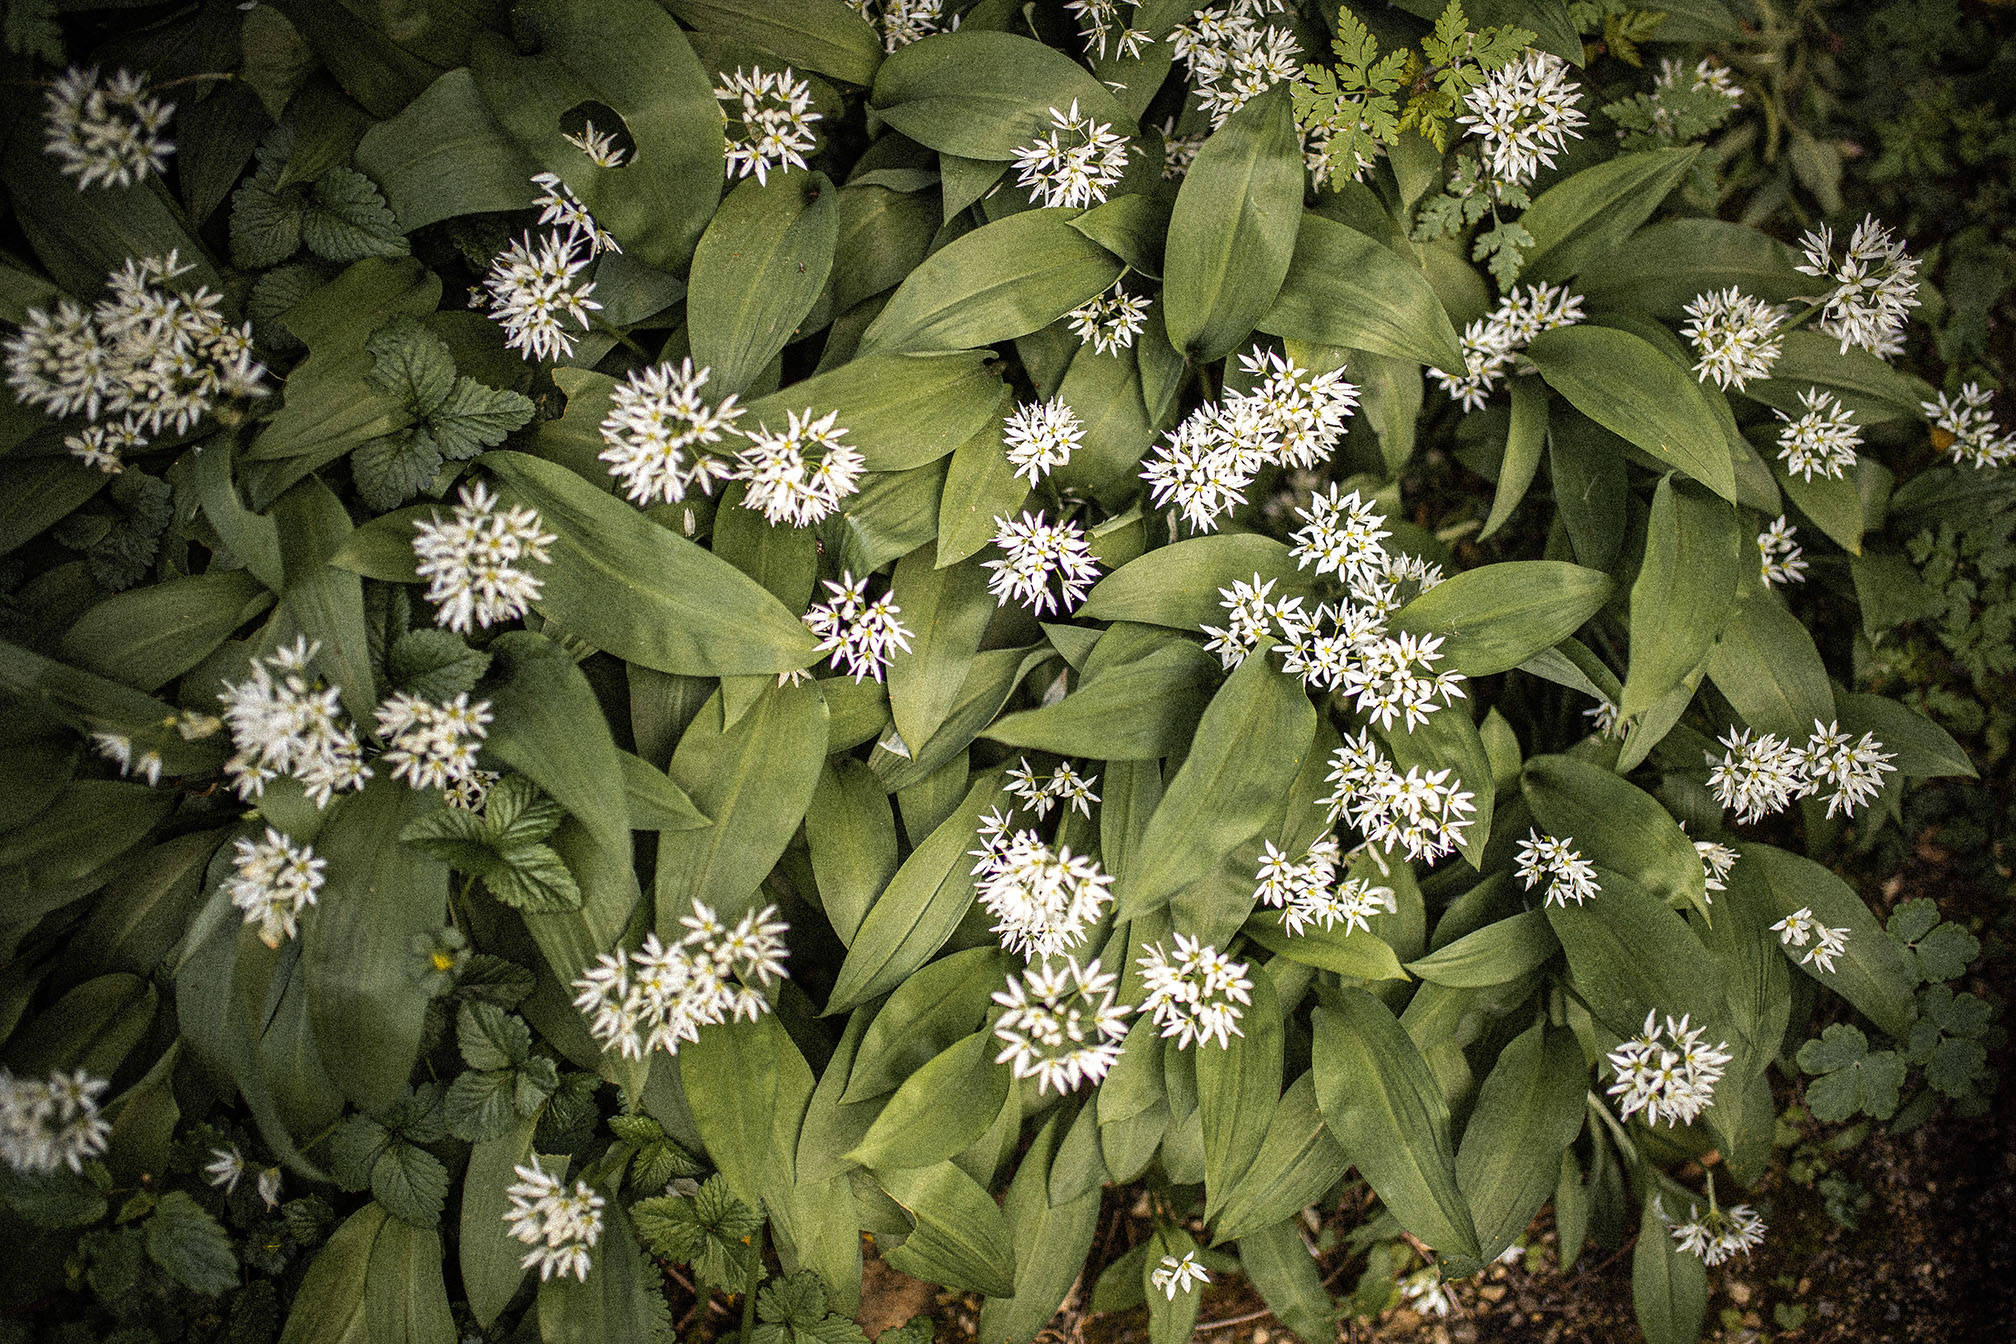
{"x": 597, "y": 131}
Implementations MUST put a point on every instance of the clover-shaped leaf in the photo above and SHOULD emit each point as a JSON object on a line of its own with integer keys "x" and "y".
{"x": 1852, "y": 1077}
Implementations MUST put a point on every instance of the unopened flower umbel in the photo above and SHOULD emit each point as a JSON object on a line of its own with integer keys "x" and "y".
{"x": 560, "y": 1223}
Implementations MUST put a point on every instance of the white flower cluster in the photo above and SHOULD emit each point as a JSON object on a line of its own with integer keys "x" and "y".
{"x": 1291, "y": 417}
{"x": 799, "y": 476}
{"x": 1553, "y": 860}
{"x": 1524, "y": 113}
{"x": 276, "y": 880}
{"x": 1716, "y": 861}
{"x": 433, "y": 746}
{"x": 1666, "y": 1072}
{"x": 52, "y": 1122}
{"x": 1074, "y": 163}
{"x": 533, "y": 286}
{"x": 560, "y": 207}
{"x": 1720, "y": 1233}
{"x": 1179, "y": 151}
{"x": 1044, "y": 901}
{"x": 282, "y": 723}
{"x": 658, "y": 996}
{"x": 106, "y": 133}
{"x": 118, "y": 749}
{"x": 1173, "y": 1276}
{"x": 1110, "y": 321}
{"x": 1975, "y": 440}
{"x": 1100, "y": 25}
{"x": 1736, "y": 337}
{"x": 1233, "y": 56}
{"x": 473, "y": 563}
{"x": 1421, "y": 812}
{"x": 1307, "y": 891}
{"x": 1040, "y": 437}
{"x": 1062, "y": 1026}
{"x": 145, "y": 358}
{"x": 1875, "y": 286}
{"x": 657, "y": 431}
{"x": 600, "y": 146}
{"x": 1196, "y": 994}
{"x": 857, "y": 633}
{"x": 1706, "y": 76}
{"x": 561, "y": 1225}
{"x": 1491, "y": 343}
{"x": 1765, "y": 775}
{"x": 767, "y": 120}
{"x": 901, "y": 22}
{"x": 1820, "y": 442}
{"x": 1779, "y": 555}
{"x": 1033, "y": 553}
{"x": 1062, "y": 785}
{"x": 1800, "y": 927}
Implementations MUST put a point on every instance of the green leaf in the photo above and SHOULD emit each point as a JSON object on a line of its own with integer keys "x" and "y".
{"x": 757, "y": 272}
{"x": 1528, "y": 1111}
{"x": 1589, "y": 214}
{"x": 1345, "y": 288}
{"x": 550, "y": 727}
{"x": 1695, "y": 564}
{"x": 1238, "y": 1091}
{"x": 947, "y": 608}
{"x": 1052, "y": 1238}
{"x": 1298, "y": 1161}
{"x": 1388, "y": 1113}
{"x": 1629, "y": 955}
{"x": 1921, "y": 747}
{"x": 1767, "y": 665}
{"x": 186, "y": 1241}
{"x": 329, "y": 1308}
{"x": 445, "y": 155}
{"x": 405, "y": 1298}
{"x": 491, "y": 1038}
{"x": 389, "y": 471}
{"x": 1278, "y": 1262}
{"x": 1496, "y": 954}
{"x": 940, "y": 1110}
{"x": 1630, "y": 387}
{"x": 711, "y": 1230}
{"x": 929, "y": 1012}
{"x": 149, "y": 636}
{"x": 1695, "y": 256}
{"x": 961, "y": 1238}
{"x": 434, "y": 664}
{"x": 1177, "y": 585}
{"x": 1525, "y": 444}
{"x": 480, "y": 1104}
{"x": 1617, "y": 825}
{"x": 644, "y": 593}
{"x": 489, "y": 1255}
{"x": 1495, "y": 617}
{"x": 345, "y": 219}
{"x": 827, "y": 36}
{"x": 1005, "y": 279}
{"x": 411, "y": 1183}
{"x": 1232, "y": 234}
{"x": 623, "y": 1298}
{"x": 748, "y": 1087}
{"x": 265, "y": 224}
{"x": 982, "y": 95}
{"x": 1143, "y": 708}
{"x": 1669, "y": 1286}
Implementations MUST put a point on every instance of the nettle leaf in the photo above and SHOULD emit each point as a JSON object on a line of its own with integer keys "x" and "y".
{"x": 411, "y": 363}
{"x": 715, "y": 1233}
{"x": 345, "y": 219}
{"x": 502, "y": 846}
{"x": 452, "y": 418}
{"x": 391, "y": 470}
{"x": 411, "y": 1183}
{"x": 490, "y": 1037}
{"x": 793, "y": 1311}
{"x": 265, "y": 224}
{"x": 482, "y": 1105}
{"x": 191, "y": 1245}
{"x": 1852, "y": 1077}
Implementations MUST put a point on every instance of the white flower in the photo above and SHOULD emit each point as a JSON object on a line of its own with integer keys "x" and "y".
{"x": 1736, "y": 337}
{"x": 1853, "y": 771}
{"x": 1821, "y": 442}
{"x": 1779, "y": 555}
{"x": 118, "y": 749}
{"x": 1044, "y": 901}
{"x": 660, "y": 996}
{"x": 1249, "y": 615}
{"x": 268, "y": 1187}
{"x": 789, "y": 482}
{"x": 284, "y": 723}
{"x": 52, "y": 1122}
{"x": 1110, "y": 321}
{"x": 1425, "y": 1289}
{"x": 532, "y": 289}
{"x": 1064, "y": 784}
{"x": 1232, "y": 57}
{"x": 1100, "y": 24}
{"x": 1705, "y": 77}
{"x": 768, "y": 120}
{"x": 148, "y": 353}
{"x": 433, "y": 746}
{"x": 1074, "y": 163}
{"x": 600, "y": 147}
{"x": 276, "y": 880}
{"x": 106, "y": 134}
{"x": 1341, "y": 535}
{"x": 1302, "y": 413}
{"x": 1179, "y": 151}
{"x": 1491, "y": 343}
{"x": 857, "y": 633}
{"x": 1173, "y": 1276}
{"x": 473, "y": 562}
{"x": 1716, "y": 861}
{"x": 1062, "y": 1026}
{"x": 1307, "y": 891}
{"x": 1421, "y": 812}
{"x": 1758, "y": 777}
{"x": 561, "y": 1225}
{"x": 561, "y": 207}
{"x": 1875, "y": 286}
{"x": 1973, "y": 437}
{"x": 1550, "y": 859}
{"x": 225, "y": 1167}
{"x": 1720, "y": 1233}
{"x": 1525, "y": 113}
{"x": 901, "y": 22}
{"x": 1034, "y": 552}
{"x": 1800, "y": 927}
{"x": 657, "y": 431}
{"x": 1667, "y": 1072}
{"x": 1395, "y": 677}
{"x": 1196, "y": 994}
{"x": 1040, "y": 437}
{"x": 1603, "y": 719}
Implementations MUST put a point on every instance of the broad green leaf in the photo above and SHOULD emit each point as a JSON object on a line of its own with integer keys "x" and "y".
{"x": 1588, "y": 214}
{"x": 961, "y": 1238}
{"x": 1171, "y": 1320}
{"x": 1345, "y": 288}
{"x": 40, "y": 491}
{"x": 1630, "y": 955}
{"x": 147, "y": 637}
{"x": 641, "y": 591}
{"x": 405, "y": 1298}
{"x": 1005, "y": 279}
{"x": 1834, "y": 506}
{"x": 850, "y": 834}
{"x": 94, "y": 703}
{"x": 1232, "y": 234}
{"x": 1528, "y": 1110}
{"x": 191, "y": 1245}
{"x": 1921, "y": 748}
{"x": 1875, "y": 973}
{"x": 1495, "y": 617}
{"x": 622, "y": 1298}
{"x": 940, "y": 1110}
{"x": 1051, "y": 1242}
{"x": 1356, "y": 952}
{"x": 1178, "y": 585}
{"x": 345, "y": 219}
{"x": 1388, "y": 1113}
{"x": 983, "y": 95}
{"x": 900, "y": 411}
{"x": 1282, "y": 1269}
{"x": 550, "y": 728}
{"x": 757, "y": 272}
{"x": 329, "y": 1308}
{"x": 1874, "y": 391}
{"x": 1615, "y": 824}
{"x": 1587, "y": 466}
{"x": 326, "y": 603}
{"x": 1496, "y": 954}
{"x": 1769, "y": 668}
{"x": 445, "y": 155}
{"x": 1525, "y": 444}
{"x": 827, "y": 36}
{"x": 655, "y": 802}
{"x": 1449, "y": 740}
{"x": 1248, "y": 746}
{"x": 1669, "y": 1286}
{"x": 947, "y": 609}
{"x": 1141, "y": 709}
{"x": 928, "y": 1013}
{"x": 1694, "y": 256}
{"x": 1297, "y": 1162}
{"x": 1630, "y": 387}
{"x": 88, "y": 825}
{"x": 1695, "y": 562}
{"x": 748, "y": 1086}
{"x": 1238, "y": 1091}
